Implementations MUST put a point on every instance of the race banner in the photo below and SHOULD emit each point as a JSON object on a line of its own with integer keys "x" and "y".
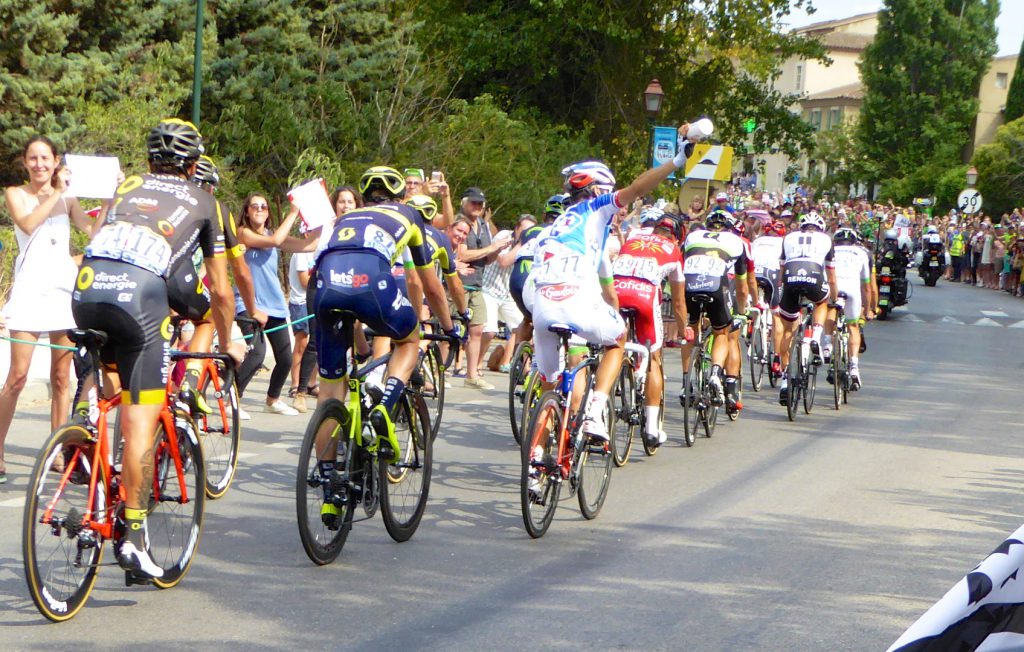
{"x": 984, "y": 611}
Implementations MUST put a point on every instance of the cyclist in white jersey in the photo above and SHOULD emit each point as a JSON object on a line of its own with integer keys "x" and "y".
{"x": 767, "y": 252}
{"x": 853, "y": 278}
{"x": 572, "y": 272}
{"x": 807, "y": 273}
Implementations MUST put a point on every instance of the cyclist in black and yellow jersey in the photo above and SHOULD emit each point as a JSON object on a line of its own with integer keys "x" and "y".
{"x": 156, "y": 223}
{"x": 353, "y": 274}
{"x": 441, "y": 252}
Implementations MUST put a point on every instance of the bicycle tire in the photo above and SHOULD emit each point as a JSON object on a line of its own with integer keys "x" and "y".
{"x": 837, "y": 372}
{"x": 711, "y": 410}
{"x": 594, "y": 464}
{"x": 756, "y": 356}
{"x": 58, "y": 584}
{"x": 220, "y": 434}
{"x": 531, "y": 396}
{"x": 622, "y": 421}
{"x": 544, "y": 430}
{"x": 773, "y": 378}
{"x": 405, "y": 485}
{"x": 431, "y": 369}
{"x": 323, "y": 544}
{"x": 692, "y": 396}
{"x": 174, "y": 524}
{"x": 795, "y": 376}
{"x": 810, "y": 386}
{"x": 518, "y": 375}
{"x": 650, "y": 450}
{"x": 845, "y": 368}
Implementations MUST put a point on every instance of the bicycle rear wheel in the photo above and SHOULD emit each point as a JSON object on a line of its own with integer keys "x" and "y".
{"x": 431, "y": 370}
{"x": 326, "y": 474}
{"x": 518, "y": 374}
{"x": 594, "y": 465}
{"x": 810, "y": 385}
{"x": 622, "y": 421}
{"x": 757, "y": 355}
{"x": 710, "y": 419}
{"x": 219, "y": 434}
{"x": 794, "y": 374}
{"x": 837, "y": 374}
{"x": 175, "y": 518}
{"x": 540, "y": 480}
{"x": 61, "y": 555}
{"x": 405, "y": 485}
{"x": 693, "y": 393}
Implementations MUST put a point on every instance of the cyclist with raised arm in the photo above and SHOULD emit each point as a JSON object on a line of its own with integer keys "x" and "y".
{"x": 353, "y": 274}
{"x": 572, "y": 273}
{"x": 156, "y": 223}
{"x": 710, "y": 257}
{"x": 853, "y": 278}
{"x": 650, "y": 255}
{"x": 808, "y": 273}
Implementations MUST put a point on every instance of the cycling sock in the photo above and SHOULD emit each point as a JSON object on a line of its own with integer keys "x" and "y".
{"x": 730, "y": 385}
{"x": 597, "y": 403}
{"x": 854, "y": 360}
{"x": 135, "y": 527}
{"x": 192, "y": 378}
{"x": 653, "y": 413}
{"x": 392, "y": 391}
{"x": 816, "y": 332}
{"x": 716, "y": 371}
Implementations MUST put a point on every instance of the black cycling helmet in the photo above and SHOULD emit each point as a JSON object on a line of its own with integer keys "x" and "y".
{"x": 206, "y": 172}
{"x": 670, "y": 222}
{"x": 719, "y": 220}
{"x": 382, "y": 179}
{"x": 173, "y": 142}
{"x": 845, "y": 235}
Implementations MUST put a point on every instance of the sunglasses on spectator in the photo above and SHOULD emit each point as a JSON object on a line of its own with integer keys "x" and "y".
{"x": 259, "y": 207}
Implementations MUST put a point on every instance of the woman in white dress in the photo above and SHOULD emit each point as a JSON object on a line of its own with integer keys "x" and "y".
{"x": 44, "y": 275}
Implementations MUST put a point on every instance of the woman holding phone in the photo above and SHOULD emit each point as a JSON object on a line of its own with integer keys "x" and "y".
{"x": 44, "y": 275}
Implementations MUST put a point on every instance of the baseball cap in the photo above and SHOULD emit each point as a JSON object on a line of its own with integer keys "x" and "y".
{"x": 721, "y": 197}
{"x": 474, "y": 194}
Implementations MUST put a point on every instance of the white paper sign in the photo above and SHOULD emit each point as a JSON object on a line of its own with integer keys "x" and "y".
{"x": 92, "y": 176}
{"x": 314, "y": 204}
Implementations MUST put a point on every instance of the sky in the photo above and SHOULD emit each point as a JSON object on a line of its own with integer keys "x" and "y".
{"x": 1010, "y": 22}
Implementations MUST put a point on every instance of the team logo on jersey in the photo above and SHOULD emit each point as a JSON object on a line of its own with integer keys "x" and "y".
{"x": 646, "y": 243}
{"x": 85, "y": 278}
{"x": 349, "y": 279}
{"x": 166, "y": 330}
{"x": 559, "y": 292}
{"x": 165, "y": 228}
{"x": 144, "y": 204}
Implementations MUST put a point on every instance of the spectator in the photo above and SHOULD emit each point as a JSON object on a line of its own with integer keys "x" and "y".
{"x": 414, "y": 180}
{"x": 998, "y": 258}
{"x": 262, "y": 254}
{"x": 44, "y": 273}
{"x": 478, "y": 251}
{"x": 500, "y": 305}
{"x": 437, "y": 186}
{"x": 299, "y": 268}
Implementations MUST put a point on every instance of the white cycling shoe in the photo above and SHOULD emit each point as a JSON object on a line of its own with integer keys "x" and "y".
{"x": 596, "y": 428}
{"x": 132, "y": 559}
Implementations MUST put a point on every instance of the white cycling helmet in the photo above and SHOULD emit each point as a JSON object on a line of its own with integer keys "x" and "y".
{"x": 650, "y": 215}
{"x": 598, "y": 171}
{"x": 812, "y": 219}
{"x": 931, "y": 229}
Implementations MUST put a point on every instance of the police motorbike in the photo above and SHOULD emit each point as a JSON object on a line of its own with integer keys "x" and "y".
{"x": 892, "y": 281}
{"x": 931, "y": 262}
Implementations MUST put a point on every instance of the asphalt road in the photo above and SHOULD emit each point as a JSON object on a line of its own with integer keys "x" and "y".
{"x": 831, "y": 533}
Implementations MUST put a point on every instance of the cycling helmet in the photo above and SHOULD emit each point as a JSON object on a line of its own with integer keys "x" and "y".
{"x": 845, "y": 235}
{"x": 812, "y": 219}
{"x": 650, "y": 215}
{"x": 890, "y": 234}
{"x": 670, "y": 222}
{"x": 718, "y": 220}
{"x": 174, "y": 142}
{"x": 425, "y": 204}
{"x": 382, "y": 178}
{"x": 206, "y": 172}
{"x": 581, "y": 177}
{"x": 931, "y": 229}
{"x": 555, "y": 205}
{"x": 775, "y": 228}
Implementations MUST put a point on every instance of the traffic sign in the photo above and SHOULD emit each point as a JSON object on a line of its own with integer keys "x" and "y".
{"x": 969, "y": 201}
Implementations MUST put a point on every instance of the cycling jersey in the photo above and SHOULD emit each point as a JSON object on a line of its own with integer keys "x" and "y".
{"x": 767, "y": 255}
{"x": 439, "y": 249}
{"x": 805, "y": 257}
{"x": 391, "y": 231}
{"x": 227, "y": 239}
{"x": 575, "y": 247}
{"x": 853, "y": 270}
{"x": 644, "y": 262}
{"x": 709, "y": 259}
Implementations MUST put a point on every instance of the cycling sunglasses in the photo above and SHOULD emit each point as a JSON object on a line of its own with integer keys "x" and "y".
{"x": 389, "y": 179}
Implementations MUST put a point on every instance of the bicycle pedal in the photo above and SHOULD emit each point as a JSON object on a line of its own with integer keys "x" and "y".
{"x": 131, "y": 578}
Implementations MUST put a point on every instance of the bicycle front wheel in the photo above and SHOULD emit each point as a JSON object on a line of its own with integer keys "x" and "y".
{"x": 794, "y": 373}
{"x": 61, "y": 553}
{"x": 219, "y": 433}
{"x": 518, "y": 374}
{"x": 693, "y": 391}
{"x": 432, "y": 371}
{"x": 531, "y": 397}
{"x": 757, "y": 356}
{"x": 324, "y": 500}
{"x": 810, "y": 385}
{"x": 175, "y": 518}
{"x": 594, "y": 466}
{"x": 541, "y": 481}
{"x": 405, "y": 484}
{"x": 622, "y": 420}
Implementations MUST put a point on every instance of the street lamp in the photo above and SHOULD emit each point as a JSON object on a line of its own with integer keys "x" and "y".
{"x": 972, "y": 176}
{"x": 653, "y": 98}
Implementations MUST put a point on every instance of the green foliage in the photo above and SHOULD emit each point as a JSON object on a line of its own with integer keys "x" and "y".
{"x": 922, "y": 73}
{"x": 948, "y": 187}
{"x": 836, "y": 151}
{"x": 1001, "y": 168}
{"x": 1015, "y": 95}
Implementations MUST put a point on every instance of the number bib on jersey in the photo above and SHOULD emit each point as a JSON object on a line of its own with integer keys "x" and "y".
{"x": 380, "y": 241}
{"x": 134, "y": 244}
{"x": 706, "y": 265}
{"x": 557, "y": 270}
{"x": 638, "y": 267}
{"x": 804, "y": 272}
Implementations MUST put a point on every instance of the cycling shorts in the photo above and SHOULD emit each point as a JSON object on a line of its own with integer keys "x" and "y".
{"x": 794, "y": 294}
{"x": 361, "y": 285}
{"x": 716, "y": 304}
{"x": 578, "y": 304}
{"x": 129, "y": 304}
{"x": 645, "y": 298}
{"x": 187, "y": 293}
{"x": 853, "y": 305}
{"x": 770, "y": 287}
{"x": 516, "y": 283}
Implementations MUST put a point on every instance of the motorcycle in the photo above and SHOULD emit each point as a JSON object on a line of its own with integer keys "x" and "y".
{"x": 892, "y": 282}
{"x": 931, "y": 262}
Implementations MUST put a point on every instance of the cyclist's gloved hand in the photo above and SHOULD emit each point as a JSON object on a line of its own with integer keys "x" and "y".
{"x": 464, "y": 317}
{"x": 458, "y": 331}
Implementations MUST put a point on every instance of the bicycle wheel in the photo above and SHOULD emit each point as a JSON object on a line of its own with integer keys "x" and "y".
{"x": 431, "y": 369}
{"x": 845, "y": 369}
{"x": 810, "y": 385}
{"x": 531, "y": 396}
{"x": 622, "y": 421}
{"x": 757, "y": 356}
{"x": 648, "y": 449}
{"x": 693, "y": 393}
{"x": 175, "y": 518}
{"x": 769, "y": 354}
{"x": 710, "y": 410}
{"x": 541, "y": 481}
{"x": 795, "y": 375}
{"x": 219, "y": 433}
{"x": 837, "y": 374}
{"x": 324, "y": 475}
{"x": 61, "y": 555}
{"x": 518, "y": 374}
{"x": 405, "y": 484}
{"x": 594, "y": 466}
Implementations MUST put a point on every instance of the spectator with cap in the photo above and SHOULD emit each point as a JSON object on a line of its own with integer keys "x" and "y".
{"x": 722, "y": 203}
{"x": 479, "y": 250}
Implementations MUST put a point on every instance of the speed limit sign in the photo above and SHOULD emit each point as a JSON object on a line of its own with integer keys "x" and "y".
{"x": 969, "y": 201}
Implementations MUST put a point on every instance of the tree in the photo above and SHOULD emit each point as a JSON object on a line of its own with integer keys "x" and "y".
{"x": 1001, "y": 168}
{"x": 921, "y": 75}
{"x": 1015, "y": 95}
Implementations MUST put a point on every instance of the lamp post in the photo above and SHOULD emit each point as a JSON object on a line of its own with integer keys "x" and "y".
{"x": 972, "y": 176}
{"x": 197, "y": 64}
{"x": 654, "y": 97}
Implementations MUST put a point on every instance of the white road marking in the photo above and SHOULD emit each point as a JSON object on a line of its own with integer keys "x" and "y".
{"x": 911, "y": 317}
{"x": 994, "y": 313}
{"x": 985, "y": 321}
{"x": 951, "y": 320}
{"x": 1019, "y": 324}
{"x": 280, "y": 444}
